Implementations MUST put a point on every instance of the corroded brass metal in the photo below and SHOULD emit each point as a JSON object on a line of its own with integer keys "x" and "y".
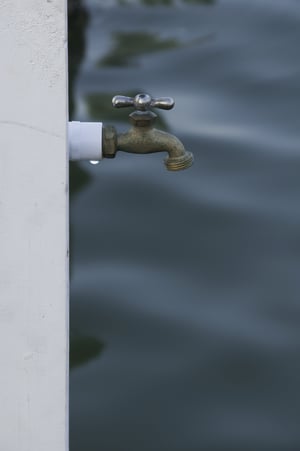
{"x": 109, "y": 141}
{"x": 142, "y": 137}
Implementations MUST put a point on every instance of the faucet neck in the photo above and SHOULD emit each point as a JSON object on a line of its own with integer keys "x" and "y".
{"x": 142, "y": 118}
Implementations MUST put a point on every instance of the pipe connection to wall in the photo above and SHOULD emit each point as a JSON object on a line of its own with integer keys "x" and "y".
{"x": 85, "y": 141}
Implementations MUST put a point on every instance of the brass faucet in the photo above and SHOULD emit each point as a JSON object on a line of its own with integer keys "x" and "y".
{"x": 142, "y": 137}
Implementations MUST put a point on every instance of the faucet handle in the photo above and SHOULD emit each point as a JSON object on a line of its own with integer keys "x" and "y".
{"x": 143, "y": 102}
{"x": 164, "y": 103}
{"x": 122, "y": 101}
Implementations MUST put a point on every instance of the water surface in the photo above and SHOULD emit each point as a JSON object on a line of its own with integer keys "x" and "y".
{"x": 185, "y": 305}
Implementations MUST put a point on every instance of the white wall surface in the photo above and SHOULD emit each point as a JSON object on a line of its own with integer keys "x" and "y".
{"x": 33, "y": 226}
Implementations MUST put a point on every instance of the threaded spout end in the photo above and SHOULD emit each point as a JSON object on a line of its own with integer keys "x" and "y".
{"x": 180, "y": 162}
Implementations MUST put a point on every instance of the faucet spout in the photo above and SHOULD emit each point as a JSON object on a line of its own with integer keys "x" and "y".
{"x": 144, "y": 140}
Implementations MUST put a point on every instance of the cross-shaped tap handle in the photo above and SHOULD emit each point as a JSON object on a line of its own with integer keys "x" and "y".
{"x": 143, "y": 102}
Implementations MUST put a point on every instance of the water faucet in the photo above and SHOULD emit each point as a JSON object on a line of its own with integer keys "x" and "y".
{"x": 142, "y": 137}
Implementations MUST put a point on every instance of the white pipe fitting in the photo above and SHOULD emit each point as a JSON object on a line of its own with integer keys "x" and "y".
{"x": 85, "y": 141}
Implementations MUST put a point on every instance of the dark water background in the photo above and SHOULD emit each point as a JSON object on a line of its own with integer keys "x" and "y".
{"x": 185, "y": 308}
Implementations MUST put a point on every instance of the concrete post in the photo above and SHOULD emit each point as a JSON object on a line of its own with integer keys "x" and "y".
{"x": 33, "y": 226}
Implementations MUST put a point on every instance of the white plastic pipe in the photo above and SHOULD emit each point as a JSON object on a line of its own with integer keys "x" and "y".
{"x": 85, "y": 141}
